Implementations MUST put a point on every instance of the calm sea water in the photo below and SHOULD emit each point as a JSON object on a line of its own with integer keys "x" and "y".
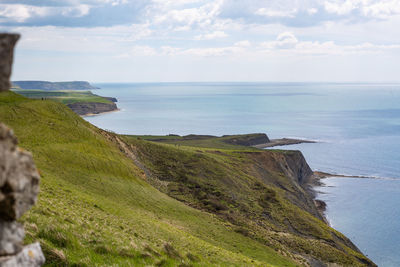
{"x": 357, "y": 126}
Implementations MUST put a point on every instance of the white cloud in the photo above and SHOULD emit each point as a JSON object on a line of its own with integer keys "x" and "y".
{"x": 76, "y": 11}
{"x": 382, "y": 9}
{"x": 287, "y": 43}
{"x": 340, "y": 7}
{"x": 142, "y": 50}
{"x": 369, "y": 8}
{"x": 169, "y": 50}
{"x": 212, "y": 51}
{"x": 211, "y": 36}
{"x": 21, "y": 13}
{"x": 312, "y": 11}
{"x": 106, "y": 40}
{"x": 185, "y": 19}
{"x": 285, "y": 40}
{"x": 244, "y": 43}
{"x": 276, "y": 13}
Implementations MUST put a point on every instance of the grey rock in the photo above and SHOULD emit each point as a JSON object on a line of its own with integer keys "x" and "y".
{"x": 30, "y": 256}
{"x": 19, "y": 178}
{"x": 85, "y": 108}
{"x": 7, "y": 43}
{"x": 11, "y": 237}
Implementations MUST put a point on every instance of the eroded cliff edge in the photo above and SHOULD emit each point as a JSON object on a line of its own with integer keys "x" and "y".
{"x": 92, "y": 108}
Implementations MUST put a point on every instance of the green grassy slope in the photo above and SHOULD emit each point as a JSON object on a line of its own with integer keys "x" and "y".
{"x": 95, "y": 209}
{"x": 65, "y": 97}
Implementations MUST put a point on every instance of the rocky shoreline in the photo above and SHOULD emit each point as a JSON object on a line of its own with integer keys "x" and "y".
{"x": 316, "y": 182}
{"x": 283, "y": 142}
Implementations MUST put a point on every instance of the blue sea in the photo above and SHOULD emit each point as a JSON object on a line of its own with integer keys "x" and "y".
{"x": 357, "y": 126}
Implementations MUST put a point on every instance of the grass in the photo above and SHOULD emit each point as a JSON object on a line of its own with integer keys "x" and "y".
{"x": 65, "y": 97}
{"x": 203, "y": 141}
{"x": 96, "y": 208}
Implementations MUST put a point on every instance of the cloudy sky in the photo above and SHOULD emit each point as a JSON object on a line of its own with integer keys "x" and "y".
{"x": 205, "y": 40}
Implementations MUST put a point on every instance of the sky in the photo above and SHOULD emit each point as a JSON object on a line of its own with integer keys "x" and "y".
{"x": 204, "y": 40}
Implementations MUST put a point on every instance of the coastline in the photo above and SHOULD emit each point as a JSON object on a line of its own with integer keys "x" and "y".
{"x": 316, "y": 182}
{"x": 100, "y": 113}
{"x": 283, "y": 142}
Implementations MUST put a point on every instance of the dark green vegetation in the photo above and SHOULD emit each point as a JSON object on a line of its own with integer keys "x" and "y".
{"x": 44, "y": 85}
{"x": 65, "y": 97}
{"x": 99, "y": 205}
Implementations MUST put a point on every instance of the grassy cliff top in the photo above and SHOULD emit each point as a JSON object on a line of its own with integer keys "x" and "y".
{"x": 65, "y": 96}
{"x": 114, "y": 200}
{"x": 245, "y": 141}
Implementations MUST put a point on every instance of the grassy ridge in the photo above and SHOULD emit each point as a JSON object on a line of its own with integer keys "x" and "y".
{"x": 199, "y": 140}
{"x": 65, "y": 97}
{"x": 95, "y": 209}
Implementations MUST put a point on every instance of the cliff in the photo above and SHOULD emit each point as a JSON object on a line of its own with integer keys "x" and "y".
{"x": 89, "y": 108}
{"x": 45, "y": 85}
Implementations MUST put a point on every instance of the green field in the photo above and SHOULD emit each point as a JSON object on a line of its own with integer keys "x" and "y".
{"x": 109, "y": 200}
{"x": 65, "y": 97}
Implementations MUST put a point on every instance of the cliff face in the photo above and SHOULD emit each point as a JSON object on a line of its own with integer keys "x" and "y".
{"x": 86, "y": 108}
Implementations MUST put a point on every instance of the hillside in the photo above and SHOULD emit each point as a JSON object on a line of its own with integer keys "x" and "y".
{"x": 45, "y": 85}
{"x": 120, "y": 200}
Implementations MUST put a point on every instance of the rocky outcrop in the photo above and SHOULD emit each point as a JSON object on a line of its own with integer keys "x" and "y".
{"x": 7, "y": 43}
{"x": 30, "y": 256}
{"x": 88, "y": 108}
{"x": 19, "y": 187}
{"x": 282, "y": 142}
